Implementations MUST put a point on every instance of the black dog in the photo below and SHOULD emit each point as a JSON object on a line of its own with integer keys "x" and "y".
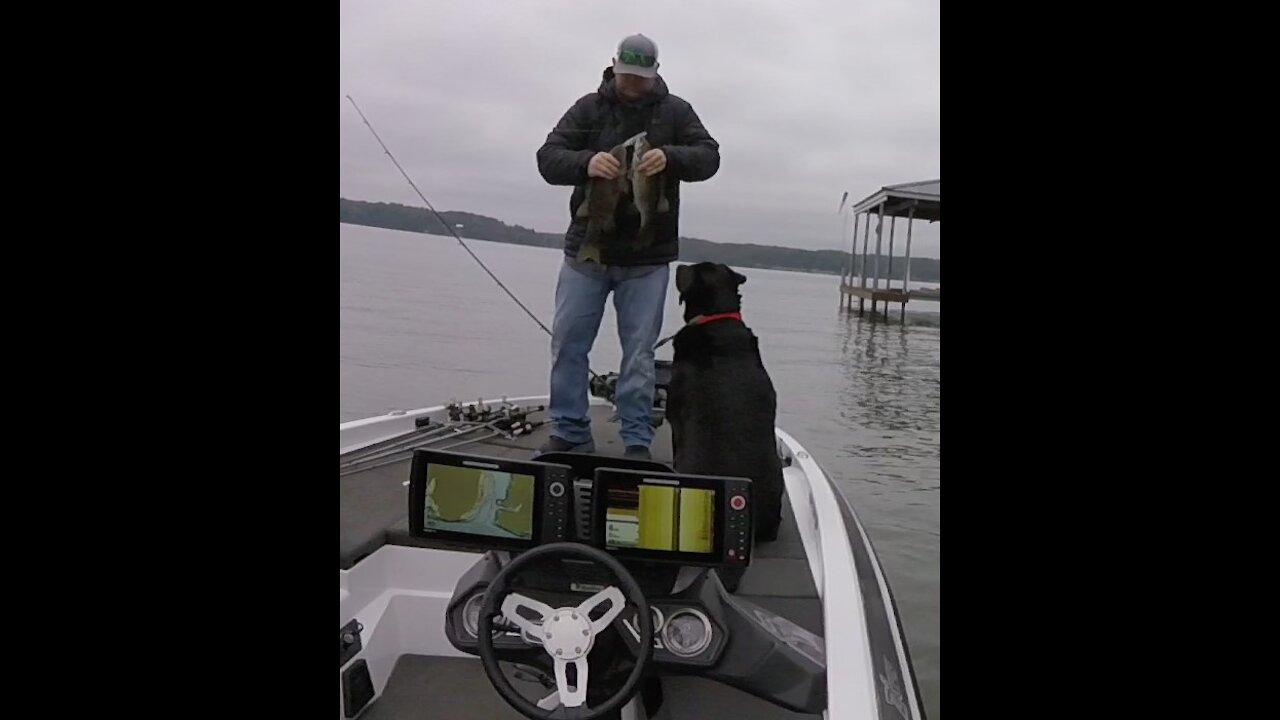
{"x": 721, "y": 403}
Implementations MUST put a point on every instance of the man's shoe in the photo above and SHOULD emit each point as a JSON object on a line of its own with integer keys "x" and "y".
{"x": 556, "y": 444}
{"x": 637, "y": 452}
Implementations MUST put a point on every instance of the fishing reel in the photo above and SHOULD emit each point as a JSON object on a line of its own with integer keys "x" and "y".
{"x": 506, "y": 418}
{"x": 479, "y": 412}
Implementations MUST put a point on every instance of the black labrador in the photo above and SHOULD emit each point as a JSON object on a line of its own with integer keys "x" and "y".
{"x": 721, "y": 403}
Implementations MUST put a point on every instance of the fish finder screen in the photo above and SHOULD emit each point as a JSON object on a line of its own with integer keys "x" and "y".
{"x": 660, "y": 515}
{"x": 479, "y": 502}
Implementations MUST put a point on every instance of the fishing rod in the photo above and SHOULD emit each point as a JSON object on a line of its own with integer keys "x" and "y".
{"x": 450, "y": 227}
{"x": 496, "y": 429}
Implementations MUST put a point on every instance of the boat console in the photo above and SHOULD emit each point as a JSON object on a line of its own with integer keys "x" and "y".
{"x": 594, "y": 556}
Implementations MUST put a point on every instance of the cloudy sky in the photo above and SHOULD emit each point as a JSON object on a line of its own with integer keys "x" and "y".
{"x": 807, "y": 99}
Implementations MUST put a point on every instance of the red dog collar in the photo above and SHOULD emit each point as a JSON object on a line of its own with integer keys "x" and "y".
{"x": 704, "y": 319}
{"x": 700, "y": 320}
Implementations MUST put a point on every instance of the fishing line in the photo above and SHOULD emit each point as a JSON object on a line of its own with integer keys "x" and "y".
{"x": 450, "y": 227}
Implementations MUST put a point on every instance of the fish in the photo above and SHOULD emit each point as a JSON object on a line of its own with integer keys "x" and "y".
{"x": 648, "y": 192}
{"x": 599, "y": 206}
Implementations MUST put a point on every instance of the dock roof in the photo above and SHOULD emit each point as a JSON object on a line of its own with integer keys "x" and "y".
{"x": 925, "y": 196}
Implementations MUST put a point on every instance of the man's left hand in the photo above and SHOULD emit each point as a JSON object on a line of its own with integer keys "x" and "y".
{"x": 653, "y": 162}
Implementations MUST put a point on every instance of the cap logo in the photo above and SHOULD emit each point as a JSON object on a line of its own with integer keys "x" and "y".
{"x": 636, "y": 58}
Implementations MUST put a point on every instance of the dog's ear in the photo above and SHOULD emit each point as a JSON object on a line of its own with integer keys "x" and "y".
{"x": 684, "y": 278}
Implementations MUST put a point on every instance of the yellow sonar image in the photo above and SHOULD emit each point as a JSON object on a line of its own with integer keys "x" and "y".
{"x": 479, "y": 502}
{"x": 660, "y": 517}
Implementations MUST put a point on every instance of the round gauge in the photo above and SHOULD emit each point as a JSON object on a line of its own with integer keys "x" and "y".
{"x": 471, "y": 614}
{"x": 471, "y": 618}
{"x": 658, "y": 620}
{"x": 687, "y": 632}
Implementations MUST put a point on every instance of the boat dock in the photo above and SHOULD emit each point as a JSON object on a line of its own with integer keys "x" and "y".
{"x": 913, "y": 201}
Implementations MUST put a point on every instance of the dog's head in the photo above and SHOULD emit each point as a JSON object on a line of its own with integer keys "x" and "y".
{"x": 707, "y": 288}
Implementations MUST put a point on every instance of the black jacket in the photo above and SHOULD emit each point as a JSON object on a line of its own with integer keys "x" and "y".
{"x": 599, "y": 121}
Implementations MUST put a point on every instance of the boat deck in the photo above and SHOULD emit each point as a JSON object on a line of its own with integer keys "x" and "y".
{"x": 374, "y": 513}
{"x": 418, "y": 682}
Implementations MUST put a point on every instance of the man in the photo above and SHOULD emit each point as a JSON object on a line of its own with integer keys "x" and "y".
{"x": 632, "y": 98}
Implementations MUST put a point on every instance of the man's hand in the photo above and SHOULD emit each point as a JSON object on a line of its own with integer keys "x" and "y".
{"x": 604, "y": 165}
{"x": 653, "y": 162}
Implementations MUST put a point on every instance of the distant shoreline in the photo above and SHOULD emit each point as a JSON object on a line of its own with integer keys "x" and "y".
{"x": 394, "y": 216}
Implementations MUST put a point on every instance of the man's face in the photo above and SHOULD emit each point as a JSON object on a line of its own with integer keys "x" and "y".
{"x": 633, "y": 87}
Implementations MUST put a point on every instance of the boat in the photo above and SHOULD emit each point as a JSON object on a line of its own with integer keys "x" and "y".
{"x": 454, "y": 529}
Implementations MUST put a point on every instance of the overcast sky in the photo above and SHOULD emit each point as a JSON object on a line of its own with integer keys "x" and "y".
{"x": 807, "y": 100}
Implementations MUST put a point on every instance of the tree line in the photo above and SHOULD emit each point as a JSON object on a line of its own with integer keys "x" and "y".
{"x": 394, "y": 216}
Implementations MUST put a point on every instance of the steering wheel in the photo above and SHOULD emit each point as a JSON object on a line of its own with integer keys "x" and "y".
{"x": 567, "y": 633}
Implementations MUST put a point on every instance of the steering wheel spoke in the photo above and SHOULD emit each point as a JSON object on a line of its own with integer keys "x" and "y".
{"x": 572, "y": 696}
{"x": 510, "y": 609}
{"x": 616, "y": 602}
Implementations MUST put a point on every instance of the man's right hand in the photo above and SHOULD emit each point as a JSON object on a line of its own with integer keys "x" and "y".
{"x": 604, "y": 165}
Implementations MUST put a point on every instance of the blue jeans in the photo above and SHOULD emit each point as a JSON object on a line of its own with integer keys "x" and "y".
{"x": 638, "y": 296}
